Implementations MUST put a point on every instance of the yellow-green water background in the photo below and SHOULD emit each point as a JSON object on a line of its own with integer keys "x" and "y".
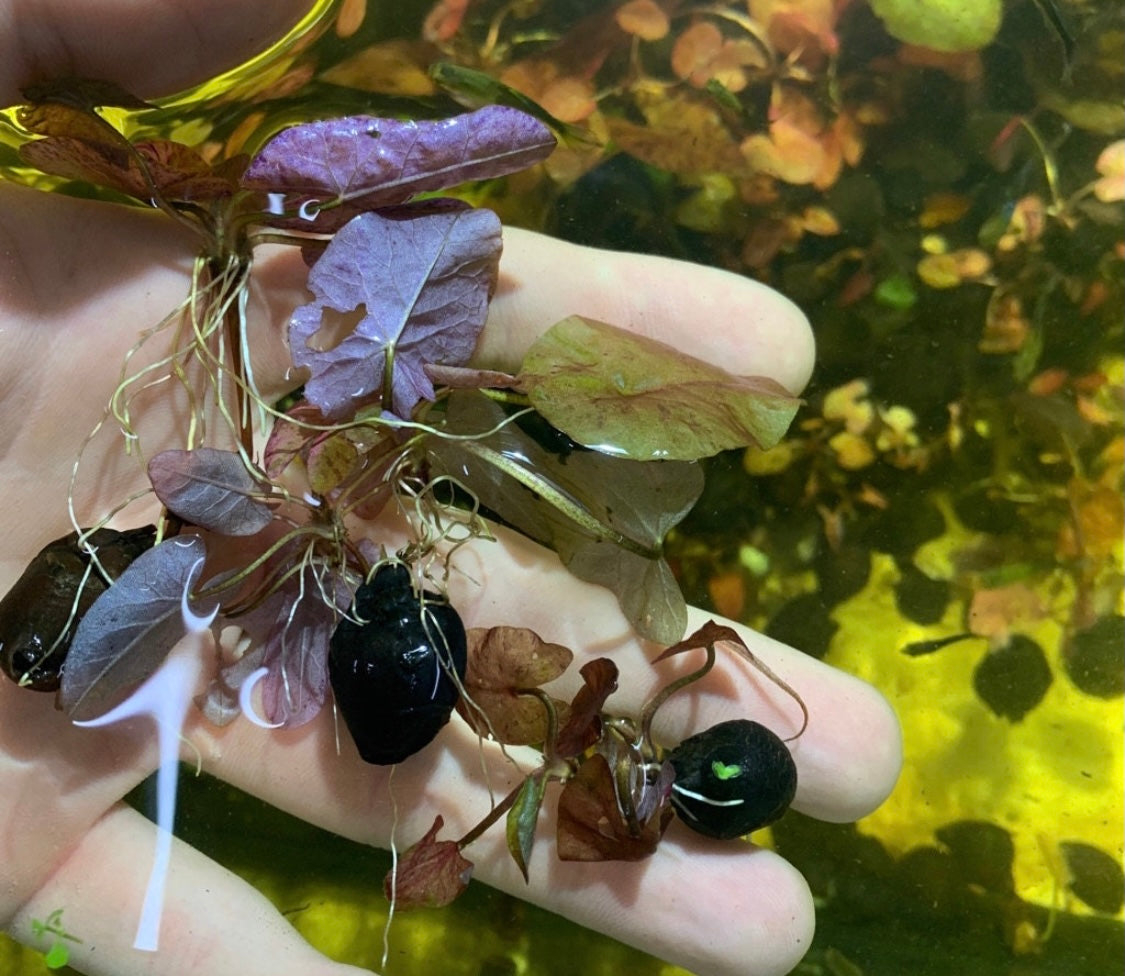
{"x": 870, "y": 531}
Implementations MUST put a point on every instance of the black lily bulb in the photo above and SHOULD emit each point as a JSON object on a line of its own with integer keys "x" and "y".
{"x": 392, "y": 674}
{"x": 732, "y": 778}
{"x": 41, "y": 612}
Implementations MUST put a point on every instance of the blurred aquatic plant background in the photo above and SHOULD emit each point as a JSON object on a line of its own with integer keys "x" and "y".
{"x": 939, "y": 185}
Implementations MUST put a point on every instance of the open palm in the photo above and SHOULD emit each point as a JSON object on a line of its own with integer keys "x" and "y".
{"x": 78, "y": 282}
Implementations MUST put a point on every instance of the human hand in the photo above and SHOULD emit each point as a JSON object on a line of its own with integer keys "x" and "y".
{"x": 78, "y": 281}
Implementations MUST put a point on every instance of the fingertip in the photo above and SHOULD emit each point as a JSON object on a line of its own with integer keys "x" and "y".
{"x": 849, "y": 770}
{"x": 718, "y": 316}
{"x": 731, "y": 908}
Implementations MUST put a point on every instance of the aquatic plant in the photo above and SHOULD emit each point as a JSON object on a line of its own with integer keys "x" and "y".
{"x": 58, "y": 953}
{"x": 591, "y": 449}
{"x": 950, "y": 221}
{"x": 620, "y": 786}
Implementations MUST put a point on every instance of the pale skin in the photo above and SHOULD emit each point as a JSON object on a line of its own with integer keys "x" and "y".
{"x": 78, "y": 282}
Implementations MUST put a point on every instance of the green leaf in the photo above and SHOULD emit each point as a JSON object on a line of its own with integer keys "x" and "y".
{"x": 57, "y": 956}
{"x": 605, "y": 516}
{"x": 626, "y": 395}
{"x": 944, "y": 25}
{"x": 522, "y": 818}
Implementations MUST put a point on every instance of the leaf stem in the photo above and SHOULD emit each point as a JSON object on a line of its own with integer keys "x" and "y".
{"x": 495, "y": 813}
{"x": 654, "y": 703}
{"x": 555, "y": 496}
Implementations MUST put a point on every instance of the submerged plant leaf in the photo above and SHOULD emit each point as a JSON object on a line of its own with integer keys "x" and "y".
{"x": 131, "y": 627}
{"x": 943, "y": 25}
{"x": 296, "y": 648}
{"x": 289, "y": 438}
{"x": 606, "y": 517}
{"x": 522, "y": 818}
{"x": 102, "y": 163}
{"x": 421, "y": 287}
{"x": 92, "y": 155}
{"x": 180, "y": 173}
{"x": 502, "y": 662}
{"x": 381, "y": 162}
{"x": 82, "y": 93}
{"x": 591, "y": 827}
{"x": 624, "y": 394}
{"x": 430, "y": 873}
{"x": 709, "y": 635}
{"x": 706, "y": 636}
{"x": 584, "y": 726}
{"x": 55, "y": 119}
{"x": 210, "y": 488}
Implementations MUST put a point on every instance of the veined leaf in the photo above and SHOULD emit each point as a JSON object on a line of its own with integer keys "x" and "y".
{"x": 522, "y": 818}
{"x": 297, "y": 648}
{"x": 131, "y": 627}
{"x": 624, "y": 394}
{"x": 606, "y": 517}
{"x": 421, "y": 288}
{"x": 176, "y": 171}
{"x": 210, "y": 488}
{"x": 502, "y": 662}
{"x": 382, "y": 162}
{"x": 430, "y": 873}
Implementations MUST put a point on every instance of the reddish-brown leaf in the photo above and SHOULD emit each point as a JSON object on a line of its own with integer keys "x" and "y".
{"x": 591, "y": 827}
{"x": 583, "y": 728}
{"x": 712, "y": 633}
{"x": 707, "y": 635}
{"x": 180, "y": 173}
{"x": 642, "y": 18}
{"x": 444, "y": 20}
{"x": 78, "y": 159}
{"x": 177, "y": 172}
{"x": 502, "y": 662}
{"x": 65, "y": 120}
{"x": 431, "y": 873}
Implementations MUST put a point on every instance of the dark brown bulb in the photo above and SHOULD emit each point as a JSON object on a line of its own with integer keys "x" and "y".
{"x": 40, "y": 613}
{"x": 396, "y": 675}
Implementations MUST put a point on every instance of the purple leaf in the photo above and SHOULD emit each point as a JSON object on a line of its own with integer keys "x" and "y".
{"x": 210, "y": 488}
{"x": 289, "y": 634}
{"x": 420, "y": 285}
{"x": 387, "y": 161}
{"x": 131, "y": 627}
{"x": 297, "y": 652}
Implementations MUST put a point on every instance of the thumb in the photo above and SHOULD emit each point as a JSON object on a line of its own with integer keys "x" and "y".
{"x": 148, "y": 49}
